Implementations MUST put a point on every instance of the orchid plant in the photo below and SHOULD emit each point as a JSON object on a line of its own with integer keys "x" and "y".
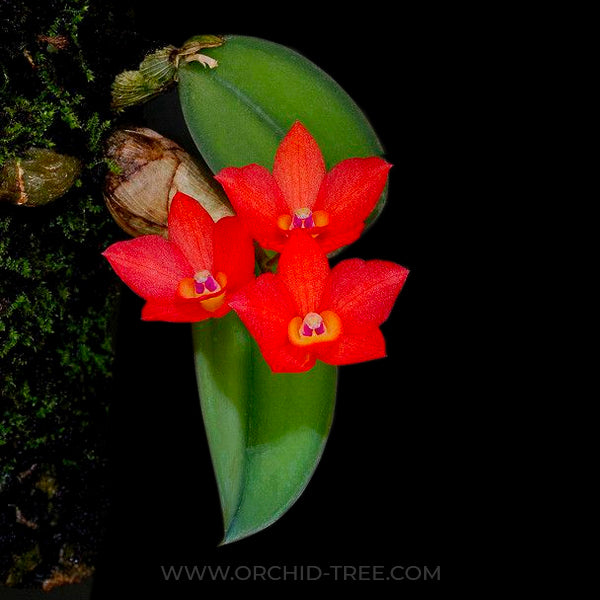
{"x": 299, "y": 311}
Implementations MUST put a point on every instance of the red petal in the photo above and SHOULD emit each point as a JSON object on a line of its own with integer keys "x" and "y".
{"x": 351, "y": 189}
{"x": 191, "y": 229}
{"x": 353, "y": 348}
{"x": 233, "y": 252}
{"x": 150, "y": 265}
{"x": 177, "y": 311}
{"x": 331, "y": 240}
{"x": 303, "y": 269}
{"x": 265, "y": 308}
{"x": 299, "y": 167}
{"x": 363, "y": 293}
{"x": 257, "y": 200}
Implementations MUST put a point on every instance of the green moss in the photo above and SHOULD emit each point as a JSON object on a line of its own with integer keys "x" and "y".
{"x": 59, "y": 74}
{"x": 56, "y": 322}
{"x": 23, "y": 564}
{"x": 58, "y": 296}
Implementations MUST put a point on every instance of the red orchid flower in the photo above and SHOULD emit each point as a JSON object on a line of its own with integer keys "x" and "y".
{"x": 300, "y": 194}
{"x": 190, "y": 276}
{"x": 306, "y": 311}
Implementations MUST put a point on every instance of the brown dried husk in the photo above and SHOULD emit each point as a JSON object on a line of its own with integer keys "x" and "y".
{"x": 151, "y": 170}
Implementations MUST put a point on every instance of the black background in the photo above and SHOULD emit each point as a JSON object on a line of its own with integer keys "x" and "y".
{"x": 385, "y": 490}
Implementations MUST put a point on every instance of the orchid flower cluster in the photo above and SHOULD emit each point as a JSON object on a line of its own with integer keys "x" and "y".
{"x": 303, "y": 312}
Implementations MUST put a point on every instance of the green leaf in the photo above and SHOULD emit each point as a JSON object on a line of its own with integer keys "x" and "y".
{"x": 238, "y": 112}
{"x": 266, "y": 431}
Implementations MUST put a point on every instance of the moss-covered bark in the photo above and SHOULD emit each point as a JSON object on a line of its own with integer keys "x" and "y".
{"x": 58, "y": 298}
{"x": 57, "y": 310}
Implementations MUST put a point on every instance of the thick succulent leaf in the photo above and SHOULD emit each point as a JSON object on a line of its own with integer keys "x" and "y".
{"x": 239, "y": 112}
{"x": 266, "y": 431}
